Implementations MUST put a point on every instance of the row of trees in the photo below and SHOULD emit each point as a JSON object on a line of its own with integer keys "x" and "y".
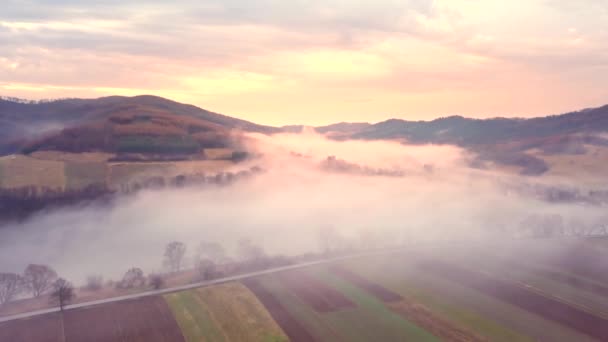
{"x": 36, "y": 280}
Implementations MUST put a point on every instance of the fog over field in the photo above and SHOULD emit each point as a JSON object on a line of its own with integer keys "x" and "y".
{"x": 371, "y": 193}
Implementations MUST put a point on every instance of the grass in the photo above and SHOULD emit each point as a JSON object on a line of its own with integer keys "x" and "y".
{"x": 21, "y": 171}
{"x": 239, "y": 314}
{"x": 228, "y": 312}
{"x": 372, "y": 319}
{"x": 369, "y": 320}
{"x": 585, "y": 299}
{"x": 475, "y": 311}
{"x": 193, "y": 317}
{"x": 312, "y": 321}
{"x": 81, "y": 175}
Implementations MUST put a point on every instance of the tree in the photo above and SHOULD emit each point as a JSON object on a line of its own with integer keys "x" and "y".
{"x": 39, "y": 278}
{"x": 134, "y": 277}
{"x": 63, "y": 293}
{"x": 212, "y": 251}
{"x": 94, "y": 283}
{"x": 174, "y": 254}
{"x": 156, "y": 281}
{"x": 249, "y": 251}
{"x": 11, "y": 284}
{"x": 206, "y": 269}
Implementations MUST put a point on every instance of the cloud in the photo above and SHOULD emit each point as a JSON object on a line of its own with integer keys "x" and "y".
{"x": 420, "y": 58}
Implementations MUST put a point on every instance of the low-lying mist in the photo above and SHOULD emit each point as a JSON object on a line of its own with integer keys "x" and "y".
{"x": 372, "y": 193}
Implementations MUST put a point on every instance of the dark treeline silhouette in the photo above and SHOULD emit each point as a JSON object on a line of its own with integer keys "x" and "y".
{"x": 19, "y": 203}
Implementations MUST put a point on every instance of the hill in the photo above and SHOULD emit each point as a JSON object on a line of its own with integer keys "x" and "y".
{"x": 144, "y": 124}
{"x": 522, "y": 143}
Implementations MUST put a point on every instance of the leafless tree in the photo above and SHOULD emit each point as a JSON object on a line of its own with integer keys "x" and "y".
{"x": 156, "y": 281}
{"x": 63, "y": 293}
{"x": 249, "y": 251}
{"x": 134, "y": 277}
{"x": 39, "y": 278}
{"x": 212, "y": 251}
{"x": 174, "y": 254}
{"x": 206, "y": 269}
{"x": 11, "y": 284}
{"x": 94, "y": 283}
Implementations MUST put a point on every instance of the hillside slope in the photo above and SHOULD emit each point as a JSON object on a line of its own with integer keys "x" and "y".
{"x": 98, "y": 124}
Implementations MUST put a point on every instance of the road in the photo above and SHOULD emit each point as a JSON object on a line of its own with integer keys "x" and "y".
{"x": 195, "y": 285}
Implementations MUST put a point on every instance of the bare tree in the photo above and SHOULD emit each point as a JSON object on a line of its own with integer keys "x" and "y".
{"x": 249, "y": 251}
{"x": 63, "y": 293}
{"x": 11, "y": 284}
{"x": 174, "y": 254}
{"x": 39, "y": 278}
{"x": 212, "y": 251}
{"x": 206, "y": 269}
{"x": 134, "y": 277}
{"x": 94, "y": 283}
{"x": 156, "y": 281}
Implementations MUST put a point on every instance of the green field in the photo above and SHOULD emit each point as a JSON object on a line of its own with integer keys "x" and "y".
{"x": 228, "y": 312}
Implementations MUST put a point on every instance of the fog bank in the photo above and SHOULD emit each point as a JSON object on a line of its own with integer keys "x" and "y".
{"x": 432, "y": 194}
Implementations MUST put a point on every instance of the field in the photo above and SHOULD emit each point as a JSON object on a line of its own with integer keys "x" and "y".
{"x": 585, "y": 166}
{"x": 45, "y": 328}
{"x": 515, "y": 291}
{"x": 228, "y": 312}
{"x": 74, "y": 171}
{"x": 21, "y": 171}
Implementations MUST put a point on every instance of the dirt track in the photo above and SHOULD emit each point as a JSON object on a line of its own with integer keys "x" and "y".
{"x": 294, "y": 330}
{"x": 512, "y": 293}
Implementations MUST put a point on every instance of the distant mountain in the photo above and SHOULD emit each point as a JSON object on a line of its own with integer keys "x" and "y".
{"x": 150, "y": 124}
{"x": 501, "y": 140}
{"x": 110, "y": 122}
{"x": 467, "y": 132}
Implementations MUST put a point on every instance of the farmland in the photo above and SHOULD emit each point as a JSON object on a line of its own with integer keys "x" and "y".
{"x": 418, "y": 294}
{"x": 22, "y": 171}
{"x": 65, "y": 171}
{"x": 228, "y": 312}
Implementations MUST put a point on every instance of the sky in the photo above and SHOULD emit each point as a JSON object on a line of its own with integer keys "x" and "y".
{"x": 314, "y": 62}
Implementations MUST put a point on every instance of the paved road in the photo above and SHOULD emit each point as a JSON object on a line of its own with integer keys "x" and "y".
{"x": 192, "y": 286}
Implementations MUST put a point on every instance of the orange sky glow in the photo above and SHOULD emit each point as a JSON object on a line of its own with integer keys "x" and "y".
{"x": 315, "y": 62}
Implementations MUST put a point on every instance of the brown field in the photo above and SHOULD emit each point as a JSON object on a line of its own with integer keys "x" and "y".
{"x": 319, "y": 296}
{"x": 142, "y": 320}
{"x": 45, "y": 328}
{"x": 84, "y": 157}
{"x": 294, "y": 330}
{"x": 21, "y": 171}
{"x": 546, "y": 307}
{"x": 588, "y": 166}
{"x": 375, "y": 290}
{"x": 79, "y": 175}
{"x": 218, "y": 153}
{"x": 438, "y": 326}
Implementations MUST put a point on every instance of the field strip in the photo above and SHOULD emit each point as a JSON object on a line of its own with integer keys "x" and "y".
{"x": 200, "y": 284}
{"x": 540, "y": 292}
